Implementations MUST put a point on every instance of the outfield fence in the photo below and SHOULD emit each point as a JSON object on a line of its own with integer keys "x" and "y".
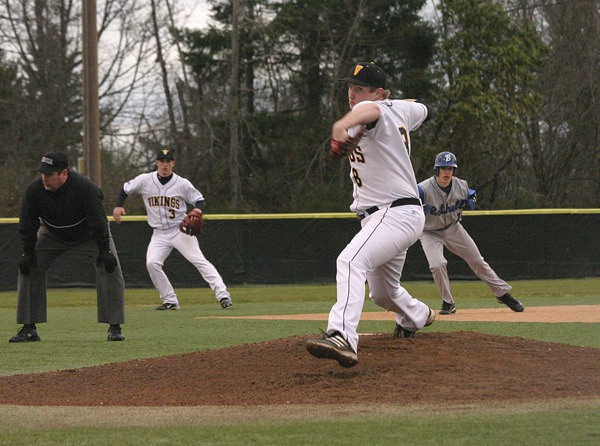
{"x": 302, "y": 248}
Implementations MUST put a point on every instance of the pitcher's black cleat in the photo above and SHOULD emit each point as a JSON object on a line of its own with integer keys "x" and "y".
{"x": 333, "y": 346}
{"x": 403, "y": 333}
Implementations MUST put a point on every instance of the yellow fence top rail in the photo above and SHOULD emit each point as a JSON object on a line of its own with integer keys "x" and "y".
{"x": 350, "y": 215}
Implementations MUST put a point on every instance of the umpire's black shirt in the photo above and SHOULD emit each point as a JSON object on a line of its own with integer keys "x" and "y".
{"x": 74, "y": 213}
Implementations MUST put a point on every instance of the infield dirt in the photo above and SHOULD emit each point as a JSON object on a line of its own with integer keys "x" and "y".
{"x": 432, "y": 368}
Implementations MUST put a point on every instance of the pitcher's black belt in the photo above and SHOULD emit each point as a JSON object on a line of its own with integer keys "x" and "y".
{"x": 398, "y": 202}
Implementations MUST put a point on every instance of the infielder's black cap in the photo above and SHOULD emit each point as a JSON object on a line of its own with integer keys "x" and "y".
{"x": 165, "y": 154}
{"x": 53, "y": 162}
{"x": 366, "y": 74}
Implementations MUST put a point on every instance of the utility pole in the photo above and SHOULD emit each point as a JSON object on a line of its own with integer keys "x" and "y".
{"x": 91, "y": 113}
{"x": 234, "y": 118}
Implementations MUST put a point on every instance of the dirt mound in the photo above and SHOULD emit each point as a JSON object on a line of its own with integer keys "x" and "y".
{"x": 457, "y": 367}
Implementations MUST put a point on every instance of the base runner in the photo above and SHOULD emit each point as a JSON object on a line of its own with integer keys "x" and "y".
{"x": 444, "y": 197}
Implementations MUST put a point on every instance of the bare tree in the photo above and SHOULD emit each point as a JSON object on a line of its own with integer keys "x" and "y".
{"x": 43, "y": 37}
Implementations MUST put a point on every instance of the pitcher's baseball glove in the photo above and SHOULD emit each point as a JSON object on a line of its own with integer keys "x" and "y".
{"x": 193, "y": 223}
{"x": 341, "y": 149}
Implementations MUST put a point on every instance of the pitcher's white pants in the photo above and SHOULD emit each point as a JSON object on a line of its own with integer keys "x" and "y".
{"x": 377, "y": 254}
{"x": 160, "y": 246}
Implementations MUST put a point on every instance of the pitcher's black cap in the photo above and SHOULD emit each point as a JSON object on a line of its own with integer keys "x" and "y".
{"x": 366, "y": 74}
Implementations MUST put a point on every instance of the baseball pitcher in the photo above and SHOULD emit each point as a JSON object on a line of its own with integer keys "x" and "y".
{"x": 386, "y": 200}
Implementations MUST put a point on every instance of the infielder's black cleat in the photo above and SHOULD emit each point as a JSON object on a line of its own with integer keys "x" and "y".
{"x": 26, "y": 334}
{"x": 448, "y": 308}
{"x": 168, "y": 307}
{"x": 402, "y": 333}
{"x": 114, "y": 333}
{"x": 333, "y": 346}
{"x": 226, "y": 303}
{"x": 511, "y": 303}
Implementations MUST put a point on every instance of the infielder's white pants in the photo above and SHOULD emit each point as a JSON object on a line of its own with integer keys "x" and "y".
{"x": 458, "y": 242}
{"x": 160, "y": 246}
{"x": 377, "y": 254}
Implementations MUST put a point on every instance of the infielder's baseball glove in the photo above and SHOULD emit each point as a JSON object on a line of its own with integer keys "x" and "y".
{"x": 340, "y": 149}
{"x": 193, "y": 223}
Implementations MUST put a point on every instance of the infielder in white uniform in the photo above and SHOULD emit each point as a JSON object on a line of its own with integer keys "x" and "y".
{"x": 444, "y": 197}
{"x": 165, "y": 196}
{"x": 386, "y": 201}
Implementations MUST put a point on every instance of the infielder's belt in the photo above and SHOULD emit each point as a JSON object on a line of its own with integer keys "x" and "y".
{"x": 398, "y": 202}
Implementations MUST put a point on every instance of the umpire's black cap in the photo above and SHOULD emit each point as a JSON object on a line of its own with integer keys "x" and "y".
{"x": 53, "y": 162}
{"x": 366, "y": 74}
{"x": 165, "y": 154}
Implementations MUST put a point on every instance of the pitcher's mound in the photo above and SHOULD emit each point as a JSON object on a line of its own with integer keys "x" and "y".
{"x": 457, "y": 367}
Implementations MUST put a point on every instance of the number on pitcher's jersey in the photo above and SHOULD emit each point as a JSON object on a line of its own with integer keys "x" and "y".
{"x": 380, "y": 167}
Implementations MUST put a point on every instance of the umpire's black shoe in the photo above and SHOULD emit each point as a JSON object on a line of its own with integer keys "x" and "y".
{"x": 511, "y": 303}
{"x": 114, "y": 333}
{"x": 448, "y": 308}
{"x": 26, "y": 334}
{"x": 333, "y": 346}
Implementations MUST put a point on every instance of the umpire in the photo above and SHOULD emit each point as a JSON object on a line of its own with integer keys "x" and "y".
{"x": 63, "y": 211}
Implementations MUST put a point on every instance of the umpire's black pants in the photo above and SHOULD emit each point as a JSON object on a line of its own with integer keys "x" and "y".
{"x": 31, "y": 288}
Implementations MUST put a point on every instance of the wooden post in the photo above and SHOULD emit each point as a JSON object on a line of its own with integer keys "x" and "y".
{"x": 91, "y": 113}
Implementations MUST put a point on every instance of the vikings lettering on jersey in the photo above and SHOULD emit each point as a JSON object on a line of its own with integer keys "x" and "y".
{"x": 166, "y": 203}
{"x": 170, "y": 202}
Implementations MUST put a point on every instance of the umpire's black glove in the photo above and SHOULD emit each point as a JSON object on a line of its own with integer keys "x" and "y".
{"x": 28, "y": 260}
{"x": 109, "y": 261}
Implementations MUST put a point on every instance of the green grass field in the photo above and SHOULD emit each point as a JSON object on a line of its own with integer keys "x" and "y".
{"x": 72, "y": 339}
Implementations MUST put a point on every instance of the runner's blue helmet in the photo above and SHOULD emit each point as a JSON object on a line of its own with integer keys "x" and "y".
{"x": 444, "y": 159}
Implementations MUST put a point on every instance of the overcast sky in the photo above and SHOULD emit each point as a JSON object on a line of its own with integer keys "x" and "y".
{"x": 198, "y": 12}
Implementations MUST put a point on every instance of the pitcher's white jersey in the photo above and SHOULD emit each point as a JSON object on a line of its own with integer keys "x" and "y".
{"x": 165, "y": 203}
{"x": 390, "y": 174}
